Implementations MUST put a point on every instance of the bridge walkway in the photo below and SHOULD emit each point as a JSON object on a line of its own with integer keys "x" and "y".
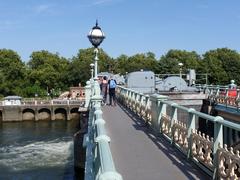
{"x": 140, "y": 155}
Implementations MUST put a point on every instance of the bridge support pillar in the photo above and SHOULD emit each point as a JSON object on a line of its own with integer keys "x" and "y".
{"x": 68, "y": 114}
{"x": 53, "y": 118}
{"x": 3, "y": 115}
{"x": 36, "y": 114}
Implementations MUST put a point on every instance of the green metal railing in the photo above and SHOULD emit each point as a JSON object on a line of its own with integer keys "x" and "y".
{"x": 209, "y": 153}
{"x": 99, "y": 162}
{"x": 222, "y": 94}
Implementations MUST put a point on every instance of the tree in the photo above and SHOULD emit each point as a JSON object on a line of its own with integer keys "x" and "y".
{"x": 222, "y": 65}
{"x": 79, "y": 69}
{"x": 169, "y": 62}
{"x": 136, "y": 62}
{"x": 12, "y": 72}
{"x": 121, "y": 64}
{"x": 48, "y": 71}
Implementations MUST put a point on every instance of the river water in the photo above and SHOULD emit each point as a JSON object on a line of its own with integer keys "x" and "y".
{"x": 37, "y": 150}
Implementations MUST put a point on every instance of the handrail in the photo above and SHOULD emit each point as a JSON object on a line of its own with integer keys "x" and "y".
{"x": 222, "y": 94}
{"x": 53, "y": 102}
{"x": 99, "y": 162}
{"x": 205, "y": 151}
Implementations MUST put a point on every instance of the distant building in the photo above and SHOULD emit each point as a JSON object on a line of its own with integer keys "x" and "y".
{"x": 74, "y": 93}
{"x": 12, "y": 101}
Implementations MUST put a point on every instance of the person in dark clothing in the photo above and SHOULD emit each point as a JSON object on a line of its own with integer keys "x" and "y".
{"x": 111, "y": 91}
{"x": 104, "y": 90}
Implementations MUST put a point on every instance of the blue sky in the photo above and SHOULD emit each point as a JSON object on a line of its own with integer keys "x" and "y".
{"x": 131, "y": 26}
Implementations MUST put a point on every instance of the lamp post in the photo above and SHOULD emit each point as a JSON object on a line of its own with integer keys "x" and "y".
{"x": 96, "y": 37}
{"x": 180, "y": 69}
{"x": 180, "y": 74}
{"x": 91, "y": 66}
{"x": 91, "y": 80}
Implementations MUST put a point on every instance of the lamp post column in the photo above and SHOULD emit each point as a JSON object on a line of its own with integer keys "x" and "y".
{"x": 180, "y": 69}
{"x": 96, "y": 63}
{"x": 91, "y": 66}
{"x": 180, "y": 74}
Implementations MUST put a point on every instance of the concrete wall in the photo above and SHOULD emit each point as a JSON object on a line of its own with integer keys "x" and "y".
{"x": 38, "y": 113}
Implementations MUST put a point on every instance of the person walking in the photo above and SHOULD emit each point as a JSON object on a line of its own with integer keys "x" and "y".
{"x": 111, "y": 90}
{"x": 104, "y": 90}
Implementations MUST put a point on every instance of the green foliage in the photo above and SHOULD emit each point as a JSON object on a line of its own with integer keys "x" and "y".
{"x": 168, "y": 63}
{"x": 137, "y": 62}
{"x": 12, "y": 72}
{"x": 48, "y": 74}
{"x": 222, "y": 65}
{"x": 47, "y": 71}
{"x": 79, "y": 68}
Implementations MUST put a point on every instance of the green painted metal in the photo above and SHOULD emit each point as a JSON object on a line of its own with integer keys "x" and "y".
{"x": 158, "y": 108}
{"x": 99, "y": 163}
{"x": 218, "y": 141}
{"x": 190, "y": 127}
{"x": 173, "y": 117}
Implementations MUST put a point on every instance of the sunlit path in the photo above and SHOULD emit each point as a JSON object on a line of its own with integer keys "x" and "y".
{"x": 138, "y": 154}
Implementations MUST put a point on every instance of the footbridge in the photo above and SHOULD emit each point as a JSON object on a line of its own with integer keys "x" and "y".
{"x": 151, "y": 137}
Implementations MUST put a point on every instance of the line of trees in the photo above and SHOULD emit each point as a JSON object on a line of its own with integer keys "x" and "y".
{"x": 48, "y": 73}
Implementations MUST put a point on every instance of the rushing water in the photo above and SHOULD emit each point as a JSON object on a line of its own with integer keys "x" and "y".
{"x": 37, "y": 150}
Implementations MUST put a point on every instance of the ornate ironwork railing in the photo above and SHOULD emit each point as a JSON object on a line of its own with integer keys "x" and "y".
{"x": 53, "y": 102}
{"x": 222, "y": 94}
{"x": 207, "y": 152}
{"x": 99, "y": 162}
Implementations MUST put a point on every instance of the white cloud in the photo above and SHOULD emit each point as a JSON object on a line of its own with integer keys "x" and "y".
{"x": 8, "y": 24}
{"x": 100, "y": 2}
{"x": 43, "y": 8}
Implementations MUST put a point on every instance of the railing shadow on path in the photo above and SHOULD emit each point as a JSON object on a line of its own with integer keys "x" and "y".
{"x": 178, "y": 159}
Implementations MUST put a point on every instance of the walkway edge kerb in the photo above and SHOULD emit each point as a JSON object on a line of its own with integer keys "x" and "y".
{"x": 100, "y": 121}
{"x": 102, "y": 138}
{"x": 110, "y": 175}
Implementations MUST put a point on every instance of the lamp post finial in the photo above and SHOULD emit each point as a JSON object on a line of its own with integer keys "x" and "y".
{"x": 96, "y": 23}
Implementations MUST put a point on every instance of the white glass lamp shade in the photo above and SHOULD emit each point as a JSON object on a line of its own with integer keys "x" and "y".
{"x": 96, "y": 36}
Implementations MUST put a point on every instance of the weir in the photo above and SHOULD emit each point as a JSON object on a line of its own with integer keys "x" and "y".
{"x": 50, "y": 148}
{"x": 41, "y": 110}
{"x": 42, "y": 150}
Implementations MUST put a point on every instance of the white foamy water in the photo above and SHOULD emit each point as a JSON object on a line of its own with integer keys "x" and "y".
{"x": 36, "y": 155}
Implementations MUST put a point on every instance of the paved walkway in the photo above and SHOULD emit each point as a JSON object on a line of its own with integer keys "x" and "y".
{"x": 139, "y": 155}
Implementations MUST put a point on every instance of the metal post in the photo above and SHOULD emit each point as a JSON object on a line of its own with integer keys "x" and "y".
{"x": 91, "y": 74}
{"x": 173, "y": 117}
{"x": 218, "y": 141}
{"x": 96, "y": 63}
{"x": 180, "y": 74}
{"x": 190, "y": 127}
{"x": 88, "y": 94}
{"x": 158, "y": 108}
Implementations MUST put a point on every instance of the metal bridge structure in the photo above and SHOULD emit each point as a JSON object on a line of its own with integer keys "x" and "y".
{"x": 151, "y": 137}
